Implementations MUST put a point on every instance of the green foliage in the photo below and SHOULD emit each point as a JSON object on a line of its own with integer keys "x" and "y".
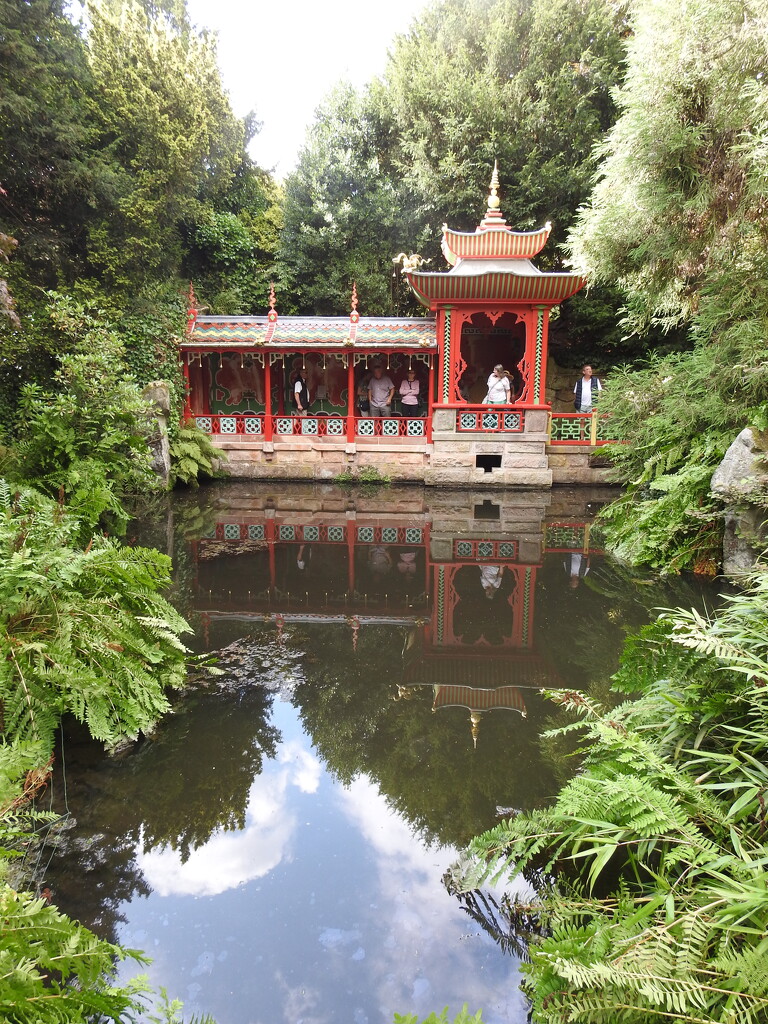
{"x": 525, "y": 81}
{"x": 54, "y": 971}
{"x": 86, "y": 441}
{"x": 675, "y": 221}
{"x": 364, "y": 475}
{"x": 658, "y": 908}
{"x": 346, "y": 213}
{"x": 461, "y": 1018}
{"x": 193, "y": 455}
{"x": 83, "y": 631}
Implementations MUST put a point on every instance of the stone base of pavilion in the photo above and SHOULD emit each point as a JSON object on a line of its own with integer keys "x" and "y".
{"x": 448, "y": 458}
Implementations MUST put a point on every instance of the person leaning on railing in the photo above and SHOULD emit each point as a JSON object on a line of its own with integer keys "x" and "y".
{"x": 499, "y": 388}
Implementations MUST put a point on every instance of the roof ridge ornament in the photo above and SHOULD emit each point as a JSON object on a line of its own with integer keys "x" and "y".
{"x": 354, "y": 316}
{"x": 191, "y": 308}
{"x": 272, "y": 315}
{"x": 493, "y": 215}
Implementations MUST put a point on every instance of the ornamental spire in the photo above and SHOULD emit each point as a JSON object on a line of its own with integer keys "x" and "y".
{"x": 493, "y": 216}
{"x": 354, "y": 316}
{"x": 272, "y": 315}
{"x": 191, "y": 308}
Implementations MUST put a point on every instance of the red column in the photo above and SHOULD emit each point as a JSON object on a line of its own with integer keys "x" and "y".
{"x": 351, "y": 557}
{"x": 187, "y": 388}
{"x": 350, "y": 398}
{"x": 267, "y": 398}
{"x": 430, "y": 394}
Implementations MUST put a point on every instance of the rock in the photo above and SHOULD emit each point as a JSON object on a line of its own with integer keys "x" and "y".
{"x": 741, "y": 482}
{"x": 158, "y": 397}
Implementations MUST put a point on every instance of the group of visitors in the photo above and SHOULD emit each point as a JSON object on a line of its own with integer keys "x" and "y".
{"x": 375, "y": 393}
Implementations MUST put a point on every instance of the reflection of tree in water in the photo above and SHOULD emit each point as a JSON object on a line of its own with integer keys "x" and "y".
{"x": 423, "y": 762}
{"x": 612, "y": 602}
{"x": 190, "y": 779}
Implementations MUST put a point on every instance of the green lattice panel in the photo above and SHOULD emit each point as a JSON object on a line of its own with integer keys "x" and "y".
{"x": 570, "y": 428}
{"x": 571, "y": 537}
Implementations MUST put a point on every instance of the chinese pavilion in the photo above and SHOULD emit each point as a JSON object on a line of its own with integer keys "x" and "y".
{"x": 492, "y": 306}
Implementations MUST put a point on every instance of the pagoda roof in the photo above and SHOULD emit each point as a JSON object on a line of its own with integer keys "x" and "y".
{"x": 493, "y": 243}
{"x": 491, "y": 668}
{"x": 476, "y": 698}
{"x": 492, "y": 264}
{"x": 483, "y": 284}
{"x": 292, "y": 332}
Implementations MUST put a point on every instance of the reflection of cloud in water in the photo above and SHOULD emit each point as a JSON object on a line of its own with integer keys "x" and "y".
{"x": 230, "y": 858}
{"x": 423, "y": 914}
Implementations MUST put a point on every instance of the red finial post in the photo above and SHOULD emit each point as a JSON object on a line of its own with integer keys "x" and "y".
{"x": 354, "y": 316}
{"x": 191, "y": 308}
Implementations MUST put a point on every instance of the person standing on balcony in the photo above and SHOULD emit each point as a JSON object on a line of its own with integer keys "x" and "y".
{"x": 409, "y": 394}
{"x": 301, "y": 393}
{"x": 498, "y": 387}
{"x": 380, "y": 392}
{"x": 586, "y": 391}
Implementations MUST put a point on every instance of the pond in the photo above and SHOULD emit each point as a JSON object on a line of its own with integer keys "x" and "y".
{"x": 278, "y": 845}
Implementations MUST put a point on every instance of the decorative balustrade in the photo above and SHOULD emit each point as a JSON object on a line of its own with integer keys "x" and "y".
{"x": 391, "y": 426}
{"x": 248, "y": 423}
{"x": 331, "y": 427}
{"x": 582, "y": 428}
{"x": 334, "y": 427}
{"x": 485, "y": 550}
{"x": 484, "y": 420}
{"x": 314, "y": 533}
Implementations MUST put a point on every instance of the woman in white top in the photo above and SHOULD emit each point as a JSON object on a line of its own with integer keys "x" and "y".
{"x": 498, "y": 387}
{"x": 409, "y": 394}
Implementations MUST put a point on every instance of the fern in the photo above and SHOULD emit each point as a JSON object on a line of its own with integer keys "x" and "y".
{"x": 193, "y": 455}
{"x": 658, "y": 907}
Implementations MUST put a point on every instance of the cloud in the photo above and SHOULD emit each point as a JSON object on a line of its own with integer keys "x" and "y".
{"x": 229, "y": 859}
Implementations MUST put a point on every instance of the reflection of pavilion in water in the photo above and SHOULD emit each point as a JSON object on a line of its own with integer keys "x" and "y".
{"x": 462, "y": 587}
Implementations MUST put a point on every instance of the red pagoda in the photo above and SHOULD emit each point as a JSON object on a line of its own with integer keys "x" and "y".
{"x": 491, "y": 307}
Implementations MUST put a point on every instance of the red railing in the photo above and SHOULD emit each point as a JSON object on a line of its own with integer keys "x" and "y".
{"x": 335, "y": 428}
{"x": 486, "y": 419}
{"x": 230, "y": 424}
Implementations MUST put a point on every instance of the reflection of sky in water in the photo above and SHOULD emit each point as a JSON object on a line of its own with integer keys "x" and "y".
{"x": 324, "y": 909}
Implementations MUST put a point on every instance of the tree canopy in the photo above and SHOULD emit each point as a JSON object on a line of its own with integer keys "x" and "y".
{"x": 522, "y": 81}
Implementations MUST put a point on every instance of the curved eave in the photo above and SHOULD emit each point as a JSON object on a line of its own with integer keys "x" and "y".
{"x": 432, "y": 289}
{"x": 508, "y": 698}
{"x": 493, "y": 243}
{"x": 321, "y": 333}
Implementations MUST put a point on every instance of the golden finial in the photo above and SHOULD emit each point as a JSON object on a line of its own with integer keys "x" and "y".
{"x": 493, "y": 217}
{"x": 493, "y": 199}
{"x": 475, "y": 720}
{"x": 354, "y": 296}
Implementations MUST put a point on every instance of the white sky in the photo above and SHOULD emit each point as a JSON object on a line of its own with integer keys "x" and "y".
{"x": 281, "y": 58}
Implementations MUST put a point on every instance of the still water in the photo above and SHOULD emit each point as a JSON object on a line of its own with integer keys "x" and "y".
{"x": 278, "y": 845}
